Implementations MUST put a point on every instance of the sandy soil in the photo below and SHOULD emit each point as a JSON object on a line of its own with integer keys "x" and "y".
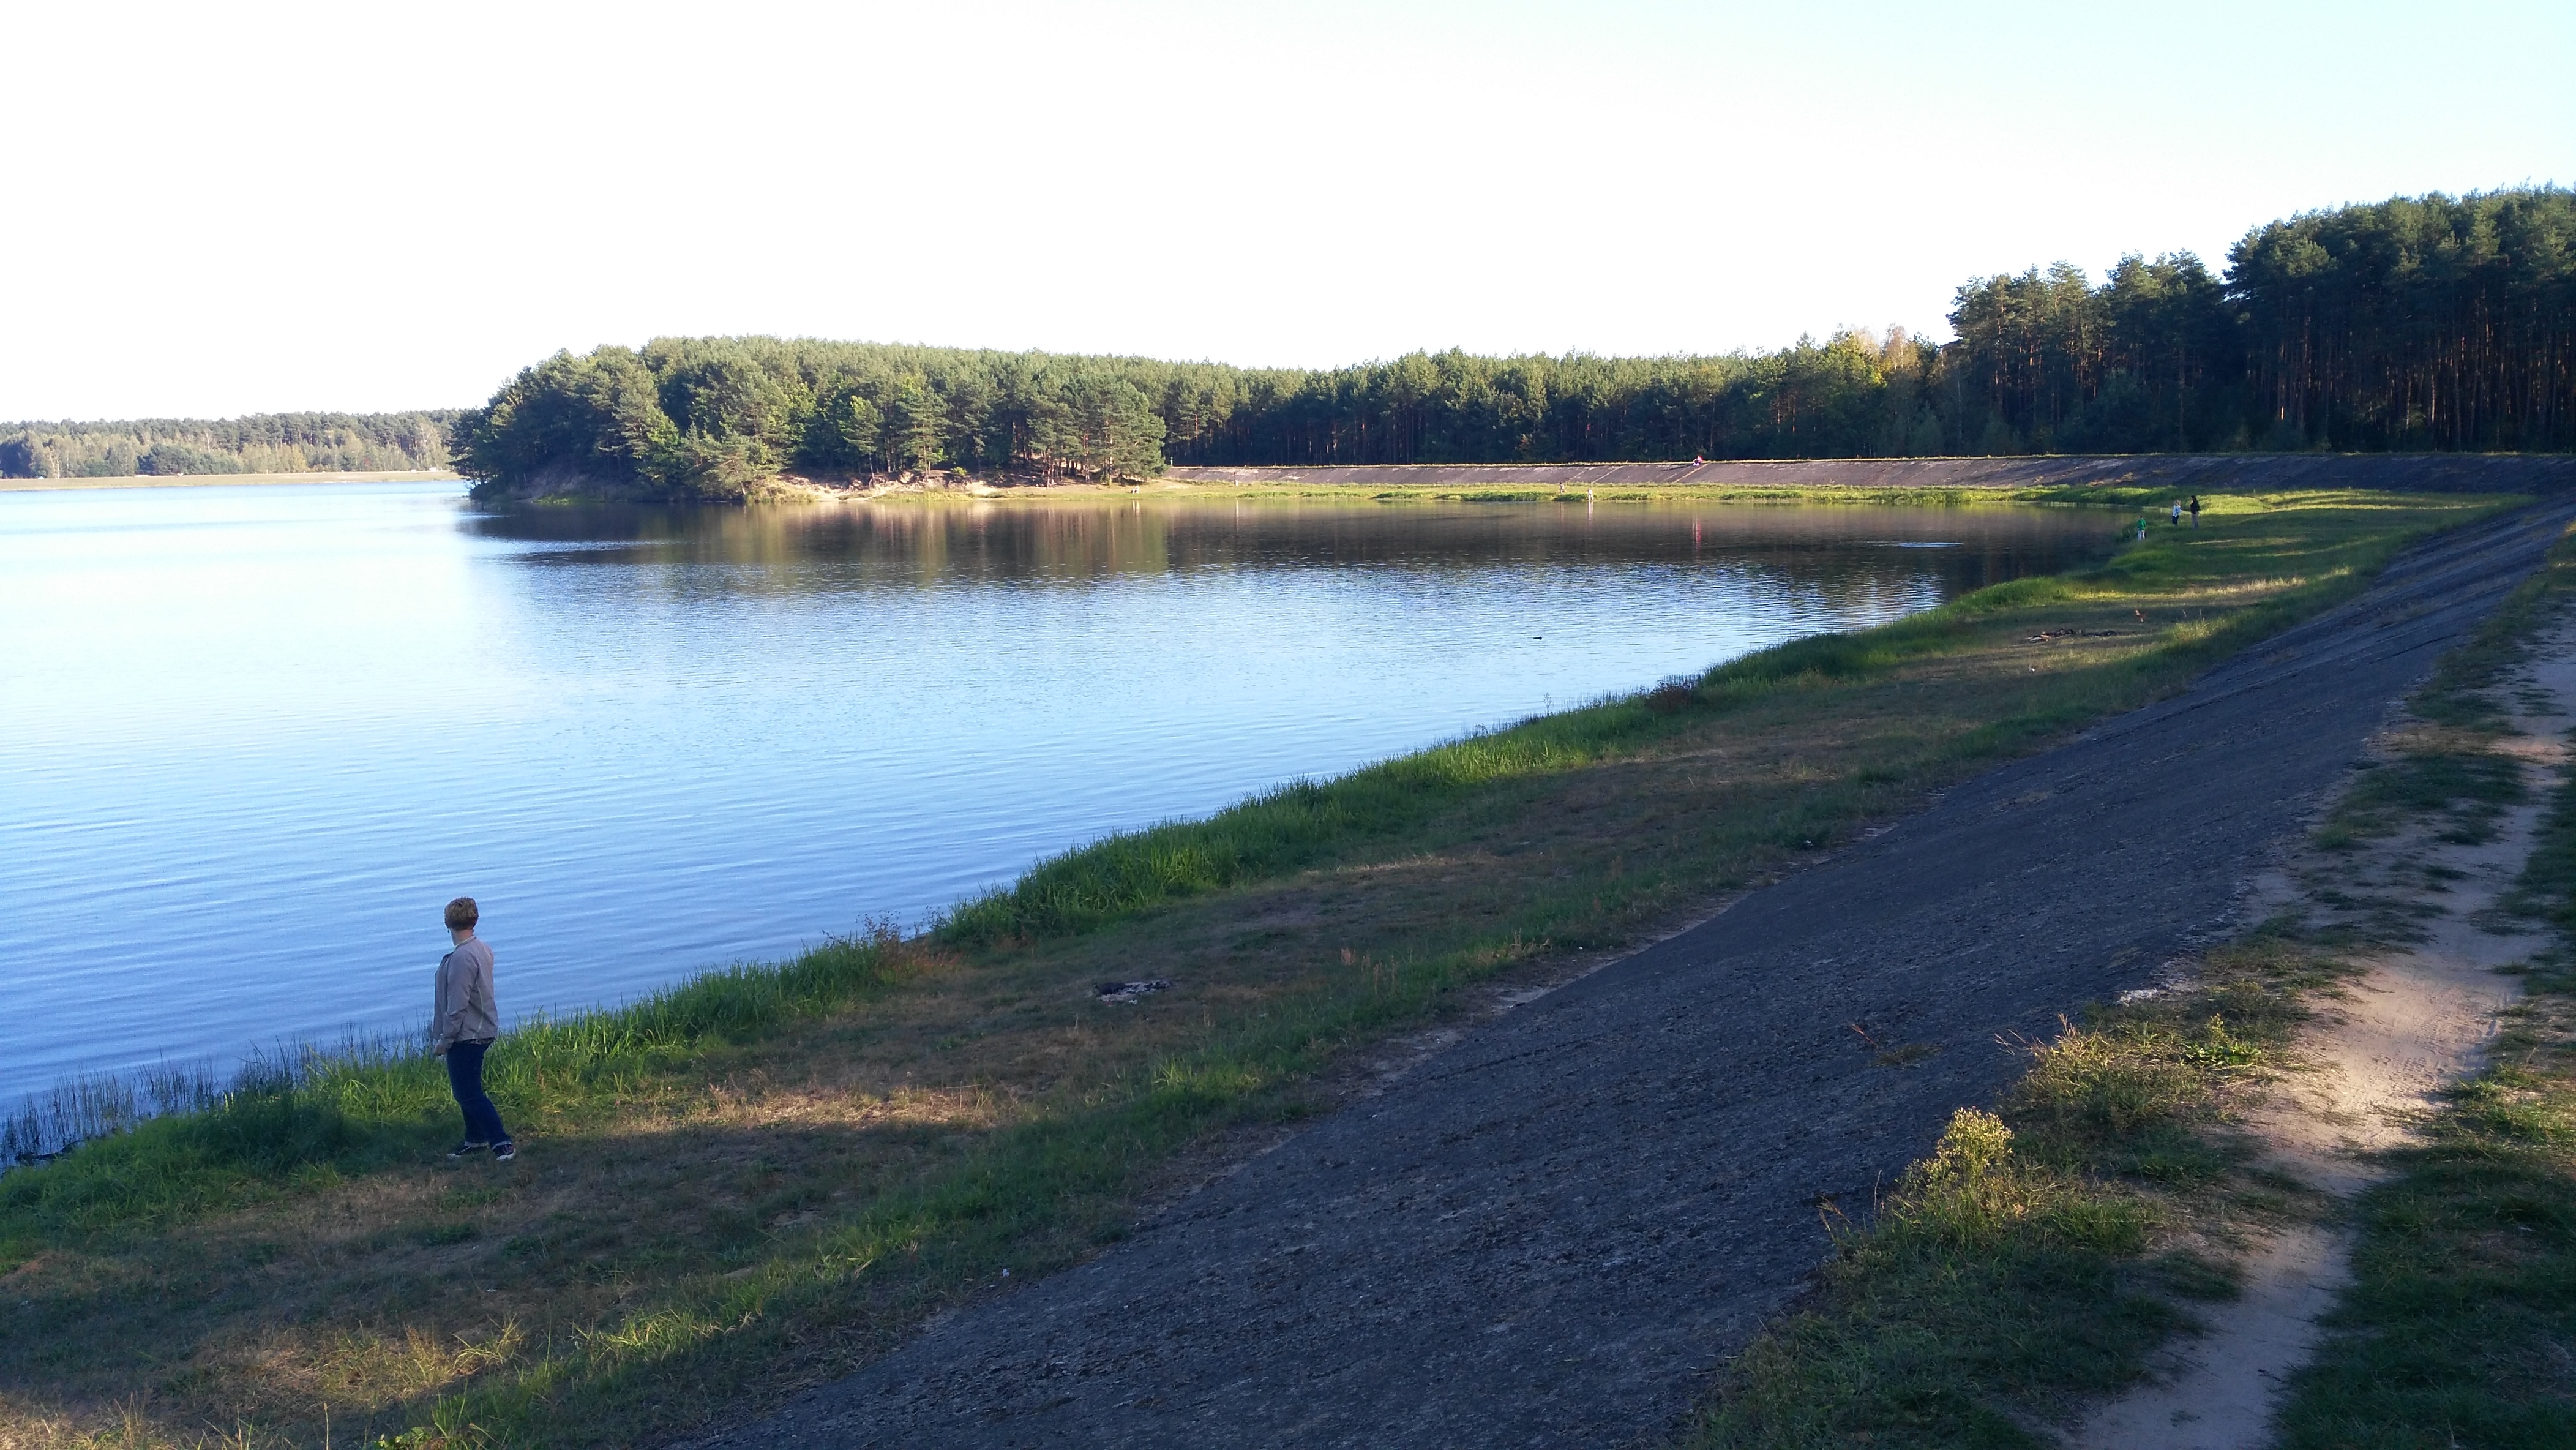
{"x": 2374, "y": 1062}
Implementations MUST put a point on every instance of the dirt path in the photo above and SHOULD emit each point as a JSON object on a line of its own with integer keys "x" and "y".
{"x": 2376, "y": 1059}
{"x": 1545, "y": 1234}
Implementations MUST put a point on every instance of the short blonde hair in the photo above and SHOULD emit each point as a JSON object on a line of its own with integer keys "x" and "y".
{"x": 462, "y": 914}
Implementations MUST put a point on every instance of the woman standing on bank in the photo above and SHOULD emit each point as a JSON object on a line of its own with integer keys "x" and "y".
{"x": 467, "y": 1021}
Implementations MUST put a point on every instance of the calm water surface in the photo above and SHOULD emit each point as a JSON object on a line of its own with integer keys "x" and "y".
{"x": 252, "y": 738}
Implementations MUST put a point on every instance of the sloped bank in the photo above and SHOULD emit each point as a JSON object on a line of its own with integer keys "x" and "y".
{"x": 2410, "y": 473}
{"x": 1544, "y": 1233}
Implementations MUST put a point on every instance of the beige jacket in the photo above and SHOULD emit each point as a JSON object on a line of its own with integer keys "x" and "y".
{"x": 466, "y": 1010}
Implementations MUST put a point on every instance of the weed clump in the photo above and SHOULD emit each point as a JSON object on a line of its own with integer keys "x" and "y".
{"x": 1975, "y": 1195}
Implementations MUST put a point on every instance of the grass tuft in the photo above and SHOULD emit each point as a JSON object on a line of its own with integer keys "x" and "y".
{"x": 1987, "y": 1275}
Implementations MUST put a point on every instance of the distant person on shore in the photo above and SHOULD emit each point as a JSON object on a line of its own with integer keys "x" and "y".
{"x": 2195, "y": 511}
{"x": 2177, "y": 513}
{"x": 467, "y": 1021}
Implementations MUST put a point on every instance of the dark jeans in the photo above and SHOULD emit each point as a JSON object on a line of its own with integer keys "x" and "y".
{"x": 465, "y": 1074}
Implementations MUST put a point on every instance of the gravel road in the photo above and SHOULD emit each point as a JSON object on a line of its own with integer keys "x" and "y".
{"x": 1548, "y": 1233}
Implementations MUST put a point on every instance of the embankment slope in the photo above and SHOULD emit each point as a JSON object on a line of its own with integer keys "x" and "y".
{"x": 2420, "y": 473}
{"x": 1542, "y": 1235}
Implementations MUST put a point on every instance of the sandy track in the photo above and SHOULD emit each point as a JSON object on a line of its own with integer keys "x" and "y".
{"x": 2374, "y": 1063}
{"x": 1546, "y": 1233}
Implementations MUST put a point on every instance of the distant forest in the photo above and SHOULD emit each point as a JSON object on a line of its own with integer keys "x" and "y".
{"x": 2430, "y": 323}
{"x": 2433, "y": 323}
{"x": 265, "y": 443}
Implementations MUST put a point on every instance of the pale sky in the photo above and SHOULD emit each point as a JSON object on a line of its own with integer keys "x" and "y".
{"x": 218, "y": 209}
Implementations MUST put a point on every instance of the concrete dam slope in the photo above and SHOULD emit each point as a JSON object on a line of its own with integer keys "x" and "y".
{"x": 2416, "y": 472}
{"x": 1549, "y": 1233}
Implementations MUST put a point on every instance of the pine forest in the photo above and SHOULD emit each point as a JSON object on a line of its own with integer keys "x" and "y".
{"x": 2434, "y": 323}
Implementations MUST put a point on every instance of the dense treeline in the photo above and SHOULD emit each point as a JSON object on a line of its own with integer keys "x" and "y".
{"x": 264, "y": 443}
{"x": 2424, "y": 323}
{"x": 2428, "y": 323}
{"x": 716, "y": 417}
{"x": 2418, "y": 323}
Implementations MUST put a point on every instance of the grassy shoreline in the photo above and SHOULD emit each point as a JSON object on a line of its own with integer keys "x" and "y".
{"x": 767, "y": 1176}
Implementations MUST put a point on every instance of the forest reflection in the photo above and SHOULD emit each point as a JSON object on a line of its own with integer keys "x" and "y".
{"x": 1835, "y": 550}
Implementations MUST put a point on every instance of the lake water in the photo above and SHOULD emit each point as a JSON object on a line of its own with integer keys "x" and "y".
{"x": 251, "y": 738}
